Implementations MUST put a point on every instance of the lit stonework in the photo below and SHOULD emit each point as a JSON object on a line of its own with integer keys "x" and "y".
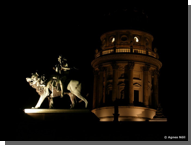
{"x": 126, "y": 70}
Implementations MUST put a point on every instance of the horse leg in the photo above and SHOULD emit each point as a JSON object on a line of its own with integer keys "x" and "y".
{"x": 78, "y": 94}
{"x": 75, "y": 88}
{"x": 41, "y": 99}
{"x": 61, "y": 87}
{"x": 73, "y": 100}
{"x": 50, "y": 99}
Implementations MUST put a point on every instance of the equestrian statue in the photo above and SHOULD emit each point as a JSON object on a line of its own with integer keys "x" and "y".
{"x": 57, "y": 85}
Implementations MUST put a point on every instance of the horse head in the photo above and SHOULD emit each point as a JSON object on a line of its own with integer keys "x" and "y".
{"x": 34, "y": 79}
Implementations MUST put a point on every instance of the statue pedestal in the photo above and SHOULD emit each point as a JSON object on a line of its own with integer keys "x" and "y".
{"x": 71, "y": 115}
{"x": 158, "y": 120}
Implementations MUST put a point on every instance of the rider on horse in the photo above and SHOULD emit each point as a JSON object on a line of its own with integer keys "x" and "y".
{"x": 62, "y": 75}
{"x": 54, "y": 85}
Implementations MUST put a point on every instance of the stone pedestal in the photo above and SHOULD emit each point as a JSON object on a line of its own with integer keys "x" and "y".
{"x": 159, "y": 117}
{"x": 66, "y": 115}
{"x": 158, "y": 120}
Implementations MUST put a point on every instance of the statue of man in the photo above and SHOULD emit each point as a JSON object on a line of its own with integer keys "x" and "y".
{"x": 62, "y": 74}
{"x": 63, "y": 64}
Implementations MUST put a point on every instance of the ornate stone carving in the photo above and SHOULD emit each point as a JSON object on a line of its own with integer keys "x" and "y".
{"x": 121, "y": 68}
{"x": 123, "y": 76}
{"x": 124, "y": 43}
{"x": 137, "y": 84}
{"x": 121, "y": 92}
{"x": 130, "y": 65}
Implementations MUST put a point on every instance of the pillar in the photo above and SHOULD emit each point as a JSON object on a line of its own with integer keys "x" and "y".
{"x": 155, "y": 88}
{"x": 95, "y": 88}
{"x": 131, "y": 91}
{"x": 115, "y": 81}
{"x": 131, "y": 49}
{"x": 100, "y": 85}
{"x": 145, "y": 85}
{"x": 104, "y": 84}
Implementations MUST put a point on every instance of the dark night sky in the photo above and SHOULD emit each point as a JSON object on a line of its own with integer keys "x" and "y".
{"x": 39, "y": 32}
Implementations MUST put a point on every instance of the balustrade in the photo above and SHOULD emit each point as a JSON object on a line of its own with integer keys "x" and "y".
{"x": 125, "y": 50}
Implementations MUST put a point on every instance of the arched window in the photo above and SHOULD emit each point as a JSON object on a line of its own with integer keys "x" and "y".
{"x": 124, "y": 38}
{"x": 136, "y": 39}
{"x": 112, "y": 39}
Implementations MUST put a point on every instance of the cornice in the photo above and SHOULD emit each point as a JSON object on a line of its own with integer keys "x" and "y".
{"x": 126, "y": 57}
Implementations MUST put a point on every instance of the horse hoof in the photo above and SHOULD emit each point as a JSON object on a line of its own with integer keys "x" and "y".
{"x": 51, "y": 107}
{"x": 86, "y": 105}
{"x": 71, "y": 106}
{"x": 35, "y": 107}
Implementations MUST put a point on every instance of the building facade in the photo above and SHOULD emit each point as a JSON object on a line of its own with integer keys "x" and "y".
{"x": 126, "y": 72}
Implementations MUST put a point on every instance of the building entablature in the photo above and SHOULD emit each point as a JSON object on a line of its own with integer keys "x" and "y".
{"x": 120, "y": 58}
{"x": 127, "y": 50}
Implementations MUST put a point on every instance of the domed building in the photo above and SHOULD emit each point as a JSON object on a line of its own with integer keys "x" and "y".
{"x": 126, "y": 69}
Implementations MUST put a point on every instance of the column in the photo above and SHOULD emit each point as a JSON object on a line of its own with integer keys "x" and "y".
{"x": 131, "y": 90}
{"x": 115, "y": 81}
{"x": 145, "y": 85}
{"x": 155, "y": 88}
{"x": 131, "y": 49}
{"x": 104, "y": 84}
{"x": 95, "y": 88}
{"x": 100, "y": 85}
